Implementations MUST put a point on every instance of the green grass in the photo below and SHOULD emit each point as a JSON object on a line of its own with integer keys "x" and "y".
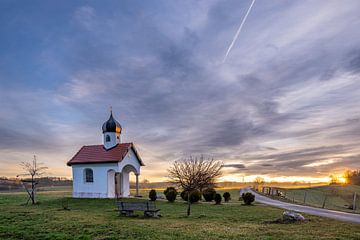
{"x": 339, "y": 197}
{"x": 98, "y": 219}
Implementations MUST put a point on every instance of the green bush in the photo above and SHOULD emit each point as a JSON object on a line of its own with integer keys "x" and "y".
{"x": 152, "y": 195}
{"x": 209, "y": 194}
{"x": 227, "y": 196}
{"x": 195, "y": 196}
{"x": 170, "y": 194}
{"x": 217, "y": 198}
{"x": 168, "y": 189}
{"x": 184, "y": 195}
{"x": 248, "y": 198}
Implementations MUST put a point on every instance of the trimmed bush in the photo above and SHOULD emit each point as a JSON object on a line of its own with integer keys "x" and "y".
{"x": 195, "y": 196}
{"x": 217, "y": 198}
{"x": 184, "y": 195}
{"x": 168, "y": 189}
{"x": 209, "y": 194}
{"x": 227, "y": 196}
{"x": 152, "y": 195}
{"x": 170, "y": 194}
{"x": 248, "y": 198}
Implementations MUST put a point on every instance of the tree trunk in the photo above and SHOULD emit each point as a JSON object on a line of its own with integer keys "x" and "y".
{"x": 189, "y": 204}
{"x": 32, "y": 190}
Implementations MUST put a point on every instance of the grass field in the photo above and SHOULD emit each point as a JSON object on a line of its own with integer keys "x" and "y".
{"x": 98, "y": 219}
{"x": 338, "y": 197}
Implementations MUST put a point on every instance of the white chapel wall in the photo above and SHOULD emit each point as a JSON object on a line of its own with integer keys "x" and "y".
{"x": 99, "y": 187}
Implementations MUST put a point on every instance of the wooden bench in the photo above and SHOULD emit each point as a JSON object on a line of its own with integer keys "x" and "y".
{"x": 128, "y": 208}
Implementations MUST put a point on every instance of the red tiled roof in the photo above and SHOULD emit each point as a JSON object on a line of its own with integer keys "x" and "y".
{"x": 98, "y": 154}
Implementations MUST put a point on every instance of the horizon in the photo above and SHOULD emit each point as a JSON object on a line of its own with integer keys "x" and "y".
{"x": 278, "y": 99}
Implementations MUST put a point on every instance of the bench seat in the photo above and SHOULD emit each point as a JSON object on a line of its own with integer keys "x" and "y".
{"x": 128, "y": 208}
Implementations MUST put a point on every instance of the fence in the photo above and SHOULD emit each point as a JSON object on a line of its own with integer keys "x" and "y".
{"x": 336, "y": 199}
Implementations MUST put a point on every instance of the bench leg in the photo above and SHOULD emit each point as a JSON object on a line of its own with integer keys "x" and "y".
{"x": 127, "y": 213}
{"x": 151, "y": 214}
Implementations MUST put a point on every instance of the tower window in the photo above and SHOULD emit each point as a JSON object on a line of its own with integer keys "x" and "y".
{"x": 89, "y": 175}
{"x": 107, "y": 138}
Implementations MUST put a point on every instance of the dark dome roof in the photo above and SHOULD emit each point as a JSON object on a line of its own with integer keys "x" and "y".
{"x": 111, "y": 125}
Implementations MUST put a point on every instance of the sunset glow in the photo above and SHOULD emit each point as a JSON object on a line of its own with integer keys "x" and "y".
{"x": 284, "y": 103}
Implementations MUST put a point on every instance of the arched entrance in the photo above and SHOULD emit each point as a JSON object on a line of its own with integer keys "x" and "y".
{"x": 125, "y": 183}
{"x": 111, "y": 193}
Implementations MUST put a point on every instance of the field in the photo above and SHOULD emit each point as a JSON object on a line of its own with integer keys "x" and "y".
{"x": 98, "y": 219}
{"x": 336, "y": 197}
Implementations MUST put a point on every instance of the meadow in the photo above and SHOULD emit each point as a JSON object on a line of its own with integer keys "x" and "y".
{"x": 99, "y": 219}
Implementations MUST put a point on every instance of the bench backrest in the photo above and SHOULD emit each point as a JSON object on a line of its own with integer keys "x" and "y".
{"x": 140, "y": 206}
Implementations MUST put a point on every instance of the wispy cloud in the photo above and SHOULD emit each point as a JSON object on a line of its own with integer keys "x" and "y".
{"x": 287, "y": 99}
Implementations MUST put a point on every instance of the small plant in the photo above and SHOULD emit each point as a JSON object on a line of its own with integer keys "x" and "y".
{"x": 217, "y": 198}
{"x": 65, "y": 203}
{"x": 195, "y": 196}
{"x": 209, "y": 194}
{"x": 170, "y": 194}
{"x": 152, "y": 195}
{"x": 227, "y": 196}
{"x": 248, "y": 198}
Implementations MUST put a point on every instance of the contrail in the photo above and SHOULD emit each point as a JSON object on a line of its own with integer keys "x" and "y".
{"x": 238, "y": 31}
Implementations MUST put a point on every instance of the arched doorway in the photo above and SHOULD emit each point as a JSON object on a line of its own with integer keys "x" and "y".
{"x": 111, "y": 193}
{"x": 125, "y": 183}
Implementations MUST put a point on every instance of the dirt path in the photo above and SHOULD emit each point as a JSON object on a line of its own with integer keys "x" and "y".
{"x": 342, "y": 216}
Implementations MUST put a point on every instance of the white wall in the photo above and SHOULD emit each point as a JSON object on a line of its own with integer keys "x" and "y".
{"x": 129, "y": 159}
{"x": 113, "y": 139}
{"x": 96, "y": 189}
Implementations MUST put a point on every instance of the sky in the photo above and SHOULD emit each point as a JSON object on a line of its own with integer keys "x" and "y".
{"x": 284, "y": 105}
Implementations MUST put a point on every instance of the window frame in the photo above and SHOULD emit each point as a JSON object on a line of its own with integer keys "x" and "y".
{"x": 90, "y": 177}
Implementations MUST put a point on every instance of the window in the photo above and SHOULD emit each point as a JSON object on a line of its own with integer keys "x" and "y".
{"x": 107, "y": 138}
{"x": 89, "y": 176}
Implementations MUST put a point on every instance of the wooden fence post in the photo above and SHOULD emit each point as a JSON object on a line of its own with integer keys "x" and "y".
{"x": 354, "y": 202}
{"x": 323, "y": 206}
{"x": 305, "y": 196}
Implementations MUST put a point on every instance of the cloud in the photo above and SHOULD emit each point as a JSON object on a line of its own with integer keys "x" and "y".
{"x": 85, "y": 16}
{"x": 238, "y": 166}
{"x": 287, "y": 96}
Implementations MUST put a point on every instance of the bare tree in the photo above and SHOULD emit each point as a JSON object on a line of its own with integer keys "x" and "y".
{"x": 34, "y": 170}
{"x": 194, "y": 173}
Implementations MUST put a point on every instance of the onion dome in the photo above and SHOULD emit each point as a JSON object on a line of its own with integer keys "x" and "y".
{"x": 111, "y": 125}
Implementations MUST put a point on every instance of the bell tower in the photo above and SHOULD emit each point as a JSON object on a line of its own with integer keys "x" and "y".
{"x": 111, "y": 132}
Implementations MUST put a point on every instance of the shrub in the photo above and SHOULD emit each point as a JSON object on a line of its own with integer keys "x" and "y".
{"x": 168, "y": 189}
{"x": 226, "y": 196}
{"x": 248, "y": 198}
{"x": 170, "y": 194}
{"x": 209, "y": 194}
{"x": 184, "y": 195}
{"x": 195, "y": 196}
{"x": 152, "y": 195}
{"x": 217, "y": 198}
